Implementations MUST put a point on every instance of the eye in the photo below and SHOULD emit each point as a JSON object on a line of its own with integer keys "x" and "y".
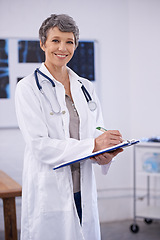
{"x": 70, "y": 42}
{"x": 55, "y": 40}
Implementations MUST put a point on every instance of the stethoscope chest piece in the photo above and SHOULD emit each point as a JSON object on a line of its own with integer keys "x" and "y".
{"x": 92, "y": 105}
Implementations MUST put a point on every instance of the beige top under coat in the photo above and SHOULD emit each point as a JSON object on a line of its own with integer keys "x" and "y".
{"x": 74, "y": 133}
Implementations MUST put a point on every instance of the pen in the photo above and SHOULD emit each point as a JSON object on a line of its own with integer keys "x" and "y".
{"x": 101, "y": 129}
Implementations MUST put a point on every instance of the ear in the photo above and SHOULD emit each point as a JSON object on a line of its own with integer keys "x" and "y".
{"x": 42, "y": 46}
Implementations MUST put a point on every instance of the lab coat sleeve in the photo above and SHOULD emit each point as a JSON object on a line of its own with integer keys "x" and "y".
{"x": 33, "y": 127}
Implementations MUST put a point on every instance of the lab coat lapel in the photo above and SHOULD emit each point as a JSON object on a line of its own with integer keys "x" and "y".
{"x": 80, "y": 104}
{"x": 56, "y": 96}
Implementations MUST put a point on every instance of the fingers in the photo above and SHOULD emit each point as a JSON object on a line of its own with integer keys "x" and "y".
{"x": 114, "y": 136}
{"x": 114, "y": 133}
{"x": 105, "y": 158}
{"x": 114, "y": 153}
{"x": 102, "y": 159}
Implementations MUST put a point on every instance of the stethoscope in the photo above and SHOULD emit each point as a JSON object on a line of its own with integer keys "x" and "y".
{"x": 91, "y": 104}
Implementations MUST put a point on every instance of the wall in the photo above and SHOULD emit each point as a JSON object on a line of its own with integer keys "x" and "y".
{"x": 144, "y": 67}
{"x": 128, "y": 36}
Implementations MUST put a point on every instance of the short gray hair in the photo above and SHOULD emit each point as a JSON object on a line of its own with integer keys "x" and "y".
{"x": 64, "y": 23}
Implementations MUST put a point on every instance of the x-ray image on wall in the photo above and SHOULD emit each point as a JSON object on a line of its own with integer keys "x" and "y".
{"x": 4, "y": 70}
{"x": 30, "y": 52}
{"x": 83, "y": 60}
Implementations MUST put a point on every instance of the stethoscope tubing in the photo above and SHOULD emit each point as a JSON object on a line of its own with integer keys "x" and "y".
{"x": 86, "y": 93}
{"x": 44, "y": 75}
{"x": 92, "y": 105}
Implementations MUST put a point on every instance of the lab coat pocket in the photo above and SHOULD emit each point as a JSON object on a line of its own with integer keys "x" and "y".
{"x": 53, "y": 195}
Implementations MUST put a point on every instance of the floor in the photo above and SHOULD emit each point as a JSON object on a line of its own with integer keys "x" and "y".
{"x": 121, "y": 231}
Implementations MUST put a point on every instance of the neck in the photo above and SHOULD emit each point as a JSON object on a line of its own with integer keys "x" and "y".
{"x": 61, "y": 75}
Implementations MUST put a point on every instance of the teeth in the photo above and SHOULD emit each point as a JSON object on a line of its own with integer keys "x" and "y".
{"x": 61, "y": 55}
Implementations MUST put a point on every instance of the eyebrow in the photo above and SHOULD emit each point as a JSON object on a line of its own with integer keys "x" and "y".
{"x": 67, "y": 38}
{"x": 70, "y": 38}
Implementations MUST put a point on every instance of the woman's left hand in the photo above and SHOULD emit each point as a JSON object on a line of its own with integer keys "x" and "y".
{"x": 105, "y": 158}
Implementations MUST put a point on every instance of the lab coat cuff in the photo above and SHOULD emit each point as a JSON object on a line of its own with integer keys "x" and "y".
{"x": 105, "y": 168}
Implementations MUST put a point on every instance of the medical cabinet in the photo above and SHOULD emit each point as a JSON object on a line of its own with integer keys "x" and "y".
{"x": 146, "y": 183}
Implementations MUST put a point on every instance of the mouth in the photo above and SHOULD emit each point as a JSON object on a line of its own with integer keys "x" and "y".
{"x": 61, "y": 55}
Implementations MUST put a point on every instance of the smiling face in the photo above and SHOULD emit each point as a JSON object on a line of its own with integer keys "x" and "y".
{"x": 59, "y": 48}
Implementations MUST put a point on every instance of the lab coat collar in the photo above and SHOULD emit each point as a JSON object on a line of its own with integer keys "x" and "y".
{"x": 75, "y": 84}
{"x": 45, "y": 71}
{"x": 72, "y": 76}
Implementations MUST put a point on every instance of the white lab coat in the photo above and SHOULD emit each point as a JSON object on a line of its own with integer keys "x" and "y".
{"x": 48, "y": 208}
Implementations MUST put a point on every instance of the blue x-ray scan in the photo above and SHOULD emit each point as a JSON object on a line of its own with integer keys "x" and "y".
{"x": 4, "y": 70}
{"x": 30, "y": 52}
{"x": 83, "y": 60}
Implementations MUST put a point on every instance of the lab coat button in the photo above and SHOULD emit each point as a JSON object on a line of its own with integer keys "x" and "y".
{"x": 63, "y": 112}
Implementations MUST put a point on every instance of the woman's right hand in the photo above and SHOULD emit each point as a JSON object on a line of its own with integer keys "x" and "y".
{"x": 107, "y": 139}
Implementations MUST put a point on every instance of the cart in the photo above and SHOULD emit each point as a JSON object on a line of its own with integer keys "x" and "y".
{"x": 146, "y": 181}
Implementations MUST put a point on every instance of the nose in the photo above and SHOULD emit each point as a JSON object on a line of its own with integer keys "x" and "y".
{"x": 62, "y": 46}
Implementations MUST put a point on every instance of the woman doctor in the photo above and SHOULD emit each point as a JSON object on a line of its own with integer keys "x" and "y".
{"x": 58, "y": 125}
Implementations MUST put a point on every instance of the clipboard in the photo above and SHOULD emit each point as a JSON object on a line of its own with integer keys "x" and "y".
{"x": 124, "y": 144}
